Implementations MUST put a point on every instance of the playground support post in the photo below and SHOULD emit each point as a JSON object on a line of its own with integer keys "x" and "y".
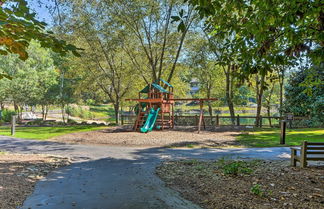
{"x": 283, "y": 132}
{"x": 13, "y": 125}
{"x": 201, "y": 103}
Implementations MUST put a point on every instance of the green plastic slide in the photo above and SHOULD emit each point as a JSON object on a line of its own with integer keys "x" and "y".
{"x": 150, "y": 121}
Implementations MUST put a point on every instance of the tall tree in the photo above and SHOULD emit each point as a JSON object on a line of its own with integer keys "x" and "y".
{"x": 158, "y": 40}
{"x": 19, "y": 26}
{"x": 264, "y": 31}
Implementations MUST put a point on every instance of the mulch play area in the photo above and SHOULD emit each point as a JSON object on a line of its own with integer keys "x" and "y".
{"x": 19, "y": 173}
{"x": 245, "y": 184}
{"x": 179, "y": 137}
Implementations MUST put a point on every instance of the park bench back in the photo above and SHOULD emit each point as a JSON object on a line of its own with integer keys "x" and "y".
{"x": 309, "y": 151}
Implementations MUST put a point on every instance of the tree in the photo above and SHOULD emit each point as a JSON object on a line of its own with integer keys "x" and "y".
{"x": 157, "y": 41}
{"x": 267, "y": 32}
{"x": 104, "y": 60}
{"x": 303, "y": 98}
{"x": 31, "y": 79}
{"x": 270, "y": 97}
{"x": 18, "y": 26}
{"x": 205, "y": 69}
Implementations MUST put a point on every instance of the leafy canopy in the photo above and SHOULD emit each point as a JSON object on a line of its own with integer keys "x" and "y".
{"x": 267, "y": 32}
{"x": 18, "y": 26}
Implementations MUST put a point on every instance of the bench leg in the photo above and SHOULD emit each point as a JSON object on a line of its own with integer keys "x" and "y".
{"x": 303, "y": 163}
{"x": 293, "y": 159}
{"x": 303, "y": 157}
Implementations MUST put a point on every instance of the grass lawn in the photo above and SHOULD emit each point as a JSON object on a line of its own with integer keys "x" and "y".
{"x": 42, "y": 133}
{"x": 271, "y": 137}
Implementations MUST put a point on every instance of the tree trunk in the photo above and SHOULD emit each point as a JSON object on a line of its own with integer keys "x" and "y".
{"x": 281, "y": 82}
{"x": 269, "y": 115}
{"x": 281, "y": 75}
{"x": 229, "y": 94}
{"x": 269, "y": 103}
{"x": 260, "y": 88}
{"x": 63, "y": 113}
{"x": 210, "y": 108}
{"x": 46, "y": 112}
{"x": 116, "y": 108}
{"x": 43, "y": 112}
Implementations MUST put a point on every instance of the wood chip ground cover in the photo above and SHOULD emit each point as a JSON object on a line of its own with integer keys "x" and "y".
{"x": 121, "y": 136}
{"x": 19, "y": 173}
{"x": 264, "y": 184}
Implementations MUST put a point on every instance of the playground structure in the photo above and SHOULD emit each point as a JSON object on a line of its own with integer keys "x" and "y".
{"x": 157, "y": 108}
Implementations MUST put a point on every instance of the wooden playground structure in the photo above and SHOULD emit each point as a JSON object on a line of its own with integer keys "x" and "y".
{"x": 161, "y": 99}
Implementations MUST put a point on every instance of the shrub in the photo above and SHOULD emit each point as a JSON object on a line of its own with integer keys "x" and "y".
{"x": 79, "y": 112}
{"x": 236, "y": 167}
{"x": 7, "y": 115}
{"x": 71, "y": 122}
{"x": 257, "y": 190}
{"x": 36, "y": 122}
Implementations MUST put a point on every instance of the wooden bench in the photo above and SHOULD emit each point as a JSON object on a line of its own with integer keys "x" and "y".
{"x": 309, "y": 151}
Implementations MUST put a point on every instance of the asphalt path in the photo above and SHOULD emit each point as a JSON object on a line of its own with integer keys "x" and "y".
{"x": 113, "y": 177}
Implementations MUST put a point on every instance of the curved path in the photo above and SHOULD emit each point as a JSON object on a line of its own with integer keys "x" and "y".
{"x": 103, "y": 177}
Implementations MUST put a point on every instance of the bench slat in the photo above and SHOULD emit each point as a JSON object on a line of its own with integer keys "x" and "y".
{"x": 315, "y": 153}
{"x": 315, "y": 148}
{"x": 315, "y": 158}
{"x": 315, "y": 143}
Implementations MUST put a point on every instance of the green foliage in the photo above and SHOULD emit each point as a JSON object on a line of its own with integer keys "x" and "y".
{"x": 257, "y": 190}
{"x": 7, "y": 115}
{"x": 265, "y": 33}
{"x": 306, "y": 100}
{"x": 71, "y": 122}
{"x": 79, "y": 112}
{"x": 32, "y": 80}
{"x": 19, "y": 26}
{"x": 236, "y": 167}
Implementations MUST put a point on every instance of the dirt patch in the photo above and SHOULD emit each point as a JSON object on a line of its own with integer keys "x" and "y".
{"x": 19, "y": 173}
{"x": 256, "y": 184}
{"x": 169, "y": 138}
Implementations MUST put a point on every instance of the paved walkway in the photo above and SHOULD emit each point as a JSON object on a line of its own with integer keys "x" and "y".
{"x": 104, "y": 177}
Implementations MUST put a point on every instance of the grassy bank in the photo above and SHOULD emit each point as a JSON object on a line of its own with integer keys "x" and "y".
{"x": 271, "y": 137}
{"x": 42, "y": 133}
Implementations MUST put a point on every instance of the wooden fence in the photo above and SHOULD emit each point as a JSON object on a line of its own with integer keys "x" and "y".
{"x": 217, "y": 120}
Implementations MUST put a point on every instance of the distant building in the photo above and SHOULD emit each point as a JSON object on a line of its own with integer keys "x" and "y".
{"x": 194, "y": 86}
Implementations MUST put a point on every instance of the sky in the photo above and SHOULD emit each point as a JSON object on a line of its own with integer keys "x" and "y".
{"x": 40, "y": 9}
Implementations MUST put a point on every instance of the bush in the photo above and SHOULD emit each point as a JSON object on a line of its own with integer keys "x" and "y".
{"x": 236, "y": 167}
{"x": 7, "y": 115}
{"x": 257, "y": 190}
{"x": 2, "y": 122}
{"x": 71, "y": 122}
{"x": 79, "y": 112}
{"x": 36, "y": 122}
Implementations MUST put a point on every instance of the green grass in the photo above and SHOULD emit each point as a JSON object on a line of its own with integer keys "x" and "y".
{"x": 271, "y": 137}
{"x": 103, "y": 111}
{"x": 42, "y": 133}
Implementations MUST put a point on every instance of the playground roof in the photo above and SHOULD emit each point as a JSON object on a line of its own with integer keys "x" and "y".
{"x": 156, "y": 86}
{"x": 165, "y": 82}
